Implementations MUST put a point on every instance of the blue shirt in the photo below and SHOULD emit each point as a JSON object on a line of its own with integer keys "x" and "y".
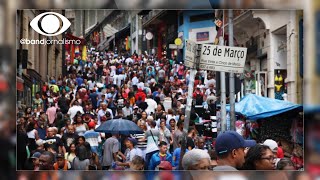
{"x": 176, "y": 154}
{"x": 79, "y": 81}
{"x": 155, "y": 160}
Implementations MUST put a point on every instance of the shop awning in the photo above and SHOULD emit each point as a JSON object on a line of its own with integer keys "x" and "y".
{"x": 20, "y": 82}
{"x": 257, "y": 107}
{"x": 72, "y": 37}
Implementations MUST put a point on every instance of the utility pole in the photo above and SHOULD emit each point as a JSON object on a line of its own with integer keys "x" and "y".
{"x": 231, "y": 77}
{"x": 223, "y": 88}
{"x": 193, "y": 72}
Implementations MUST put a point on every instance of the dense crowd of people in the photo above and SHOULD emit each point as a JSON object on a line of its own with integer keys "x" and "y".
{"x": 58, "y": 131}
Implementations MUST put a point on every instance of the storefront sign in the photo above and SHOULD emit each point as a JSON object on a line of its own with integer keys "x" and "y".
{"x": 203, "y": 36}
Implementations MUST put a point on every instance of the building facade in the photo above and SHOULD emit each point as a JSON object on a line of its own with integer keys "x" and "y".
{"x": 36, "y": 62}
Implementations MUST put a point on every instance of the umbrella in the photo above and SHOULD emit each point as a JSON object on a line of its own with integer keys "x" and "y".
{"x": 119, "y": 126}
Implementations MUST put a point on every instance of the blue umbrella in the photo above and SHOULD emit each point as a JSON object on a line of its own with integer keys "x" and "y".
{"x": 119, "y": 126}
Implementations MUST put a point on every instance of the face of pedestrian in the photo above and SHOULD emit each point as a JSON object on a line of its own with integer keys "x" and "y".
{"x": 162, "y": 124}
{"x": 202, "y": 164}
{"x": 81, "y": 141}
{"x": 60, "y": 162}
{"x": 266, "y": 162}
{"x": 72, "y": 148}
{"x": 172, "y": 123}
{"x": 163, "y": 149}
{"x": 45, "y": 162}
{"x": 144, "y": 115}
{"x": 201, "y": 143}
{"x": 128, "y": 144}
{"x": 239, "y": 155}
{"x": 50, "y": 132}
{"x": 79, "y": 119}
{"x": 70, "y": 129}
{"x": 35, "y": 161}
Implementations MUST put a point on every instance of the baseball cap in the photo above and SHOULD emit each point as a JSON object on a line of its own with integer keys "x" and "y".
{"x": 272, "y": 144}
{"x": 59, "y": 155}
{"x": 133, "y": 140}
{"x": 92, "y": 124}
{"x": 36, "y": 155}
{"x": 230, "y": 140}
{"x": 165, "y": 165}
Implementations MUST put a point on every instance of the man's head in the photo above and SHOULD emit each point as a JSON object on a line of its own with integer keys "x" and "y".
{"x": 50, "y": 132}
{"x": 35, "y": 158}
{"x": 131, "y": 142}
{"x": 104, "y": 106}
{"x": 200, "y": 142}
{"x": 60, "y": 160}
{"x": 196, "y": 159}
{"x": 46, "y": 161}
{"x": 137, "y": 163}
{"x": 230, "y": 147}
{"x": 180, "y": 125}
{"x": 163, "y": 147}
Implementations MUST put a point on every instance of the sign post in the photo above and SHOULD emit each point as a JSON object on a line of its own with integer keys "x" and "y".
{"x": 191, "y": 56}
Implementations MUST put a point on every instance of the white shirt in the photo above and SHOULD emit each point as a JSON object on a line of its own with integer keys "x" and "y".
{"x": 126, "y": 111}
{"x": 140, "y": 85}
{"x": 152, "y": 105}
{"x": 73, "y": 111}
{"x": 135, "y": 81}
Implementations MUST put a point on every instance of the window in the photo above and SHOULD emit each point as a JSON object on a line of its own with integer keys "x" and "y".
{"x": 202, "y": 17}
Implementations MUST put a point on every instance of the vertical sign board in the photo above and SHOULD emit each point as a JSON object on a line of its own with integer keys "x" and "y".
{"x": 190, "y": 51}
{"x": 223, "y": 58}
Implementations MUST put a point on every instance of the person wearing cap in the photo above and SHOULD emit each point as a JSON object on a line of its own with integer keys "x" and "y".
{"x": 131, "y": 152}
{"x": 164, "y": 165}
{"x": 35, "y": 161}
{"x": 162, "y": 155}
{"x": 196, "y": 159}
{"x": 93, "y": 137}
{"x": 198, "y": 95}
{"x": 273, "y": 145}
{"x": 61, "y": 163}
{"x": 230, "y": 148}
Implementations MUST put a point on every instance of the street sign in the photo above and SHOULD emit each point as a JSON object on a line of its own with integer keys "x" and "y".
{"x": 190, "y": 51}
{"x": 173, "y": 46}
{"x": 223, "y": 58}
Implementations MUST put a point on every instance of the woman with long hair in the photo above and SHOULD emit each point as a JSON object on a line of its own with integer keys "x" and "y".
{"x": 79, "y": 126}
{"x": 71, "y": 154}
{"x": 259, "y": 157}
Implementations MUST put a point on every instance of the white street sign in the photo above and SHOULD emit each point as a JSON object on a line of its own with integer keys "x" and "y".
{"x": 173, "y": 46}
{"x": 190, "y": 51}
{"x": 223, "y": 58}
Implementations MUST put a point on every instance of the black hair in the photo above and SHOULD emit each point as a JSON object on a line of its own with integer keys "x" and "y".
{"x": 190, "y": 129}
{"x": 30, "y": 127}
{"x": 51, "y": 155}
{"x": 179, "y": 123}
{"x": 162, "y": 143}
{"x": 254, "y": 154}
{"x": 283, "y": 163}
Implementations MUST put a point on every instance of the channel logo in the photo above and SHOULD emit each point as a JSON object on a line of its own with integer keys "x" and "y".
{"x": 50, "y": 24}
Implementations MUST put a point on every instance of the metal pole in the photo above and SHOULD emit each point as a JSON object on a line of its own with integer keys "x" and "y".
{"x": 231, "y": 77}
{"x": 223, "y": 88}
{"x": 193, "y": 72}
